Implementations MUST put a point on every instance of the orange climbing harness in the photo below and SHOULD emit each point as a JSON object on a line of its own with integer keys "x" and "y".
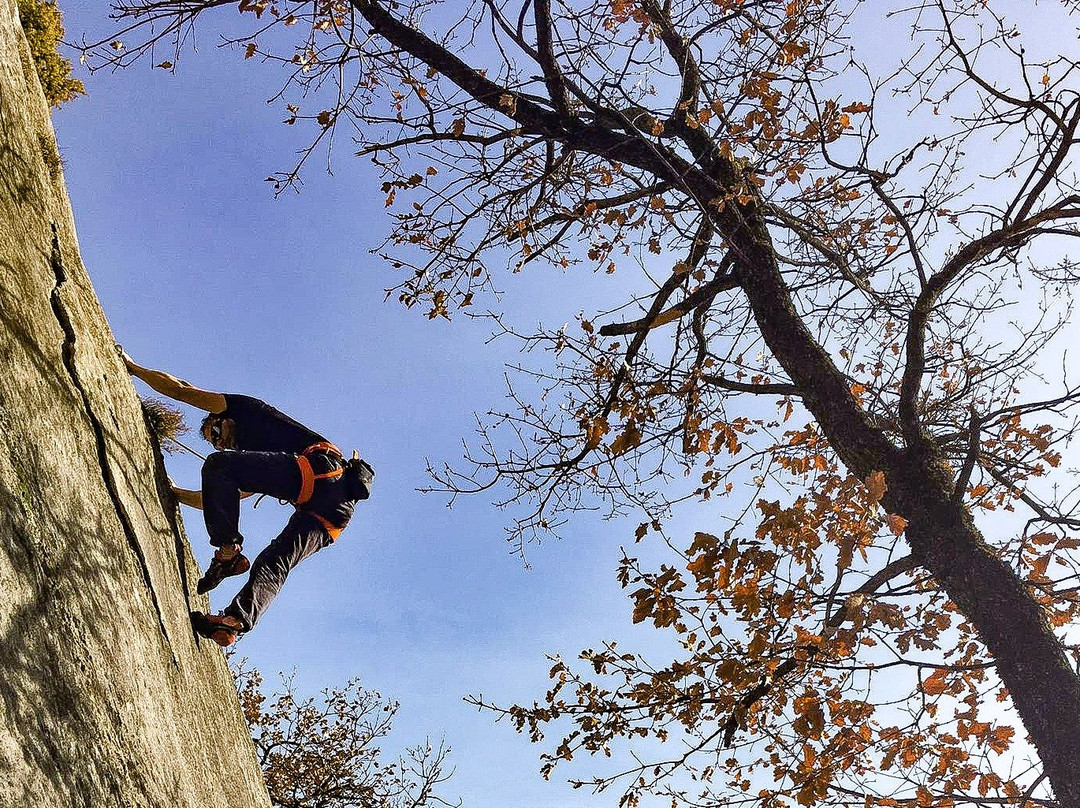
{"x": 331, "y": 528}
{"x": 308, "y": 475}
{"x": 358, "y": 477}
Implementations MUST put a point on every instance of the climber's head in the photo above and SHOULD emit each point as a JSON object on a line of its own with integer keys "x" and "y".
{"x": 219, "y": 431}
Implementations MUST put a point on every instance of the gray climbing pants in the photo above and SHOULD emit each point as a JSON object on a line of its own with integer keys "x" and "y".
{"x": 226, "y": 474}
{"x": 302, "y": 536}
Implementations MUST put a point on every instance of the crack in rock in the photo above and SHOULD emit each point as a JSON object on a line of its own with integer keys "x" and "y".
{"x": 64, "y": 319}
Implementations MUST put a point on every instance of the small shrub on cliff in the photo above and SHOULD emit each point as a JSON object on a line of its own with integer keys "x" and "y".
{"x": 50, "y": 154}
{"x": 166, "y": 422}
{"x": 43, "y": 26}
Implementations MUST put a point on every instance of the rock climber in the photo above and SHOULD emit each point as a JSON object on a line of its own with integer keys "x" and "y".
{"x": 259, "y": 450}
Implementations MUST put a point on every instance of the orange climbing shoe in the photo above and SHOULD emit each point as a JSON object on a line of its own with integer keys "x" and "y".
{"x": 221, "y": 628}
{"x": 228, "y": 561}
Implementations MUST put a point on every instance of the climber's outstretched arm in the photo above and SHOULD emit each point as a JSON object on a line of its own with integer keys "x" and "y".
{"x": 175, "y": 388}
{"x": 193, "y": 499}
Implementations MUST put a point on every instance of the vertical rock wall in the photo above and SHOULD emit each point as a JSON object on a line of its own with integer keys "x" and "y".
{"x": 107, "y": 698}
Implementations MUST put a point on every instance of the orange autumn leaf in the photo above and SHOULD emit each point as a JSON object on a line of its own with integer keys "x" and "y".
{"x": 934, "y": 685}
{"x": 627, "y": 440}
{"x": 875, "y": 484}
{"x": 897, "y": 524}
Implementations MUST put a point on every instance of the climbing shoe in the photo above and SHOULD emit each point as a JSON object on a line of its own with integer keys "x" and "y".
{"x": 221, "y": 628}
{"x": 228, "y": 561}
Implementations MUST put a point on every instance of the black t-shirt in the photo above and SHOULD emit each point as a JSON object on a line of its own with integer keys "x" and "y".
{"x": 261, "y": 428}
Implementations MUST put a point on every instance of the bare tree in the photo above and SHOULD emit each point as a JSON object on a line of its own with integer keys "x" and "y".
{"x": 862, "y": 215}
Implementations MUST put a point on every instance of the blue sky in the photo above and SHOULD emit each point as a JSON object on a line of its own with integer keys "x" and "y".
{"x": 203, "y": 273}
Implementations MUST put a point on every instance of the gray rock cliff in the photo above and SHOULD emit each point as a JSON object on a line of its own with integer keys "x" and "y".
{"x": 107, "y": 697}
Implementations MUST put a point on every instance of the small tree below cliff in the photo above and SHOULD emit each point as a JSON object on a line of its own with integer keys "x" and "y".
{"x": 325, "y": 753}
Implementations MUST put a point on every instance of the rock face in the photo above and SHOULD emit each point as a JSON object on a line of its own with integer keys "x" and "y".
{"x": 108, "y": 699}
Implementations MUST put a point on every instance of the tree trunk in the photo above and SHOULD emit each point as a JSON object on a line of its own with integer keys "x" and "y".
{"x": 1031, "y": 660}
